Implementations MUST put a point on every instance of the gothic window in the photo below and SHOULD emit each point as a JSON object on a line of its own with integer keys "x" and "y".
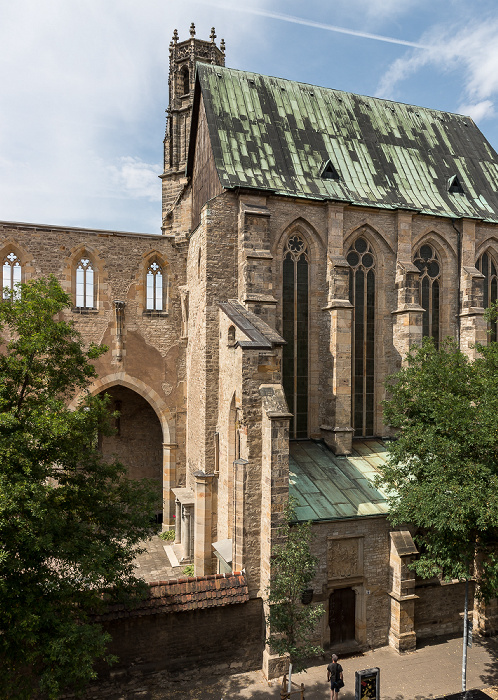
{"x": 11, "y": 273}
{"x": 428, "y": 263}
{"x": 155, "y": 299}
{"x": 362, "y": 297}
{"x": 487, "y": 267}
{"x": 85, "y": 284}
{"x": 295, "y": 333}
{"x": 185, "y": 81}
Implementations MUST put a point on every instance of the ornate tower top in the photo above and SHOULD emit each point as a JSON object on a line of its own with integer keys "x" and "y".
{"x": 183, "y": 56}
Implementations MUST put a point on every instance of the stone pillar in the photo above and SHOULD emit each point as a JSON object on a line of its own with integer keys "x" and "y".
{"x": 407, "y": 317}
{"x": 169, "y": 482}
{"x": 239, "y": 485}
{"x": 255, "y": 259}
{"x": 473, "y": 327}
{"x": 402, "y": 635}
{"x": 274, "y": 495}
{"x": 336, "y": 428}
{"x": 178, "y": 522}
{"x": 203, "y": 551}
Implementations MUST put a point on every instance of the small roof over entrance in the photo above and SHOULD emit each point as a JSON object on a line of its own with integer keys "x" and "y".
{"x": 332, "y": 487}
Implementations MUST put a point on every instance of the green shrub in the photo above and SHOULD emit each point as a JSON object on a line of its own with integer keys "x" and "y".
{"x": 168, "y": 535}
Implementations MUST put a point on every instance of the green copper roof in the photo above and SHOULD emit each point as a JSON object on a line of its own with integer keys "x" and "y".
{"x": 329, "y": 487}
{"x": 279, "y": 135}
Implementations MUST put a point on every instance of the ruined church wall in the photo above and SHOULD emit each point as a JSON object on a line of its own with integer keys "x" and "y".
{"x": 153, "y": 356}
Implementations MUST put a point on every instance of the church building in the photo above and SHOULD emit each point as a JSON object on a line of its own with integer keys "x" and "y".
{"x": 309, "y": 237}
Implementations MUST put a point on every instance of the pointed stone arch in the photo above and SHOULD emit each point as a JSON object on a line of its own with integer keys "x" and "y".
{"x": 301, "y": 226}
{"x": 11, "y": 248}
{"x": 148, "y": 259}
{"x": 166, "y": 420}
{"x": 376, "y": 239}
{"x": 85, "y": 251}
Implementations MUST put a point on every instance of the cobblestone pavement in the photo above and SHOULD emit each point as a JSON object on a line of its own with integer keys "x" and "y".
{"x": 431, "y": 671}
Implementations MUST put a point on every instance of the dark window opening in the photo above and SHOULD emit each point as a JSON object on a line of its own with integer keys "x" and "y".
{"x": 428, "y": 263}
{"x": 454, "y": 185}
{"x": 362, "y": 296}
{"x": 328, "y": 172}
{"x": 487, "y": 267}
{"x": 295, "y": 333}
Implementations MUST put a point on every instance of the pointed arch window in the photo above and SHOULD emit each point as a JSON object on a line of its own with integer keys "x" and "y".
{"x": 12, "y": 273}
{"x": 427, "y": 261}
{"x": 362, "y": 296}
{"x": 487, "y": 267}
{"x": 295, "y": 332}
{"x": 155, "y": 287}
{"x": 85, "y": 284}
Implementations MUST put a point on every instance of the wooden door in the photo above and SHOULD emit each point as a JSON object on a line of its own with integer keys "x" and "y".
{"x": 342, "y": 616}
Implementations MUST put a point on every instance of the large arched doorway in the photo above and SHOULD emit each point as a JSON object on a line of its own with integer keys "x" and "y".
{"x": 137, "y": 442}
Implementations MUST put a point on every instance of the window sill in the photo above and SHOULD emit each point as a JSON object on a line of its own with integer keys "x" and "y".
{"x": 84, "y": 310}
{"x": 151, "y": 313}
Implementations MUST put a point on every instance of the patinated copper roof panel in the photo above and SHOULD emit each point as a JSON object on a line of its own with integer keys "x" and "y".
{"x": 273, "y": 134}
{"x": 331, "y": 487}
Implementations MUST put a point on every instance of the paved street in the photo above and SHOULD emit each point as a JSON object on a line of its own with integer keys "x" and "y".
{"x": 431, "y": 671}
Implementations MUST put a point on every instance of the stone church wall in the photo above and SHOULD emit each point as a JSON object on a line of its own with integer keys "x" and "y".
{"x": 355, "y": 554}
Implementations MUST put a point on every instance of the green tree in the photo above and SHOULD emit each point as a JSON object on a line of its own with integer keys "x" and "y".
{"x": 293, "y": 567}
{"x": 442, "y": 471}
{"x": 70, "y": 522}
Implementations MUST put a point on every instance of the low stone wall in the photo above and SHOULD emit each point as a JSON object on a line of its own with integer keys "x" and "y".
{"x": 439, "y": 608}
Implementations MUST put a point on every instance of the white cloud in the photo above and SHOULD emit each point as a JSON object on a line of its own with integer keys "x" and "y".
{"x": 136, "y": 178}
{"x": 84, "y": 89}
{"x": 479, "y": 111}
{"x": 471, "y": 49}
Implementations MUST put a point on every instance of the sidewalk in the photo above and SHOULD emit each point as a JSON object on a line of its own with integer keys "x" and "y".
{"x": 432, "y": 671}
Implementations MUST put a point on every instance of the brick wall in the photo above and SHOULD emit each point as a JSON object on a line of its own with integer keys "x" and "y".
{"x": 231, "y": 635}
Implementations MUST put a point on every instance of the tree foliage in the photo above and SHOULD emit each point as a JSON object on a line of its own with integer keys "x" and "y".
{"x": 69, "y": 521}
{"x": 442, "y": 472}
{"x": 291, "y": 623}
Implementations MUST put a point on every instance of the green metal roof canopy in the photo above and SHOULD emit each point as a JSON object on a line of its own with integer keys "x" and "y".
{"x": 330, "y": 487}
{"x": 295, "y": 139}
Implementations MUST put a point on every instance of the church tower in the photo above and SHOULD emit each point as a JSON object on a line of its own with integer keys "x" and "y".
{"x": 183, "y": 56}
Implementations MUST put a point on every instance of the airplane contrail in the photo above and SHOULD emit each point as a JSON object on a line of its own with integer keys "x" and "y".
{"x": 312, "y": 23}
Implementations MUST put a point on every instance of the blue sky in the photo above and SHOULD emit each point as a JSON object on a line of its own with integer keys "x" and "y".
{"x": 83, "y": 84}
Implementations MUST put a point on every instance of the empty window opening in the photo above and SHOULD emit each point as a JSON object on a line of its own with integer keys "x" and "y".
{"x": 85, "y": 286}
{"x": 185, "y": 81}
{"x": 11, "y": 273}
{"x": 154, "y": 301}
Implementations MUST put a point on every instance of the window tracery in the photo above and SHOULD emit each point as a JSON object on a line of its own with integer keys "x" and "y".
{"x": 155, "y": 289}
{"x": 12, "y": 273}
{"x": 362, "y": 296}
{"x": 487, "y": 267}
{"x": 427, "y": 261}
{"x": 295, "y": 315}
{"x": 85, "y": 284}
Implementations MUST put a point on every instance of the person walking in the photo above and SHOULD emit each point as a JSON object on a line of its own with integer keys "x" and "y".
{"x": 335, "y": 677}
